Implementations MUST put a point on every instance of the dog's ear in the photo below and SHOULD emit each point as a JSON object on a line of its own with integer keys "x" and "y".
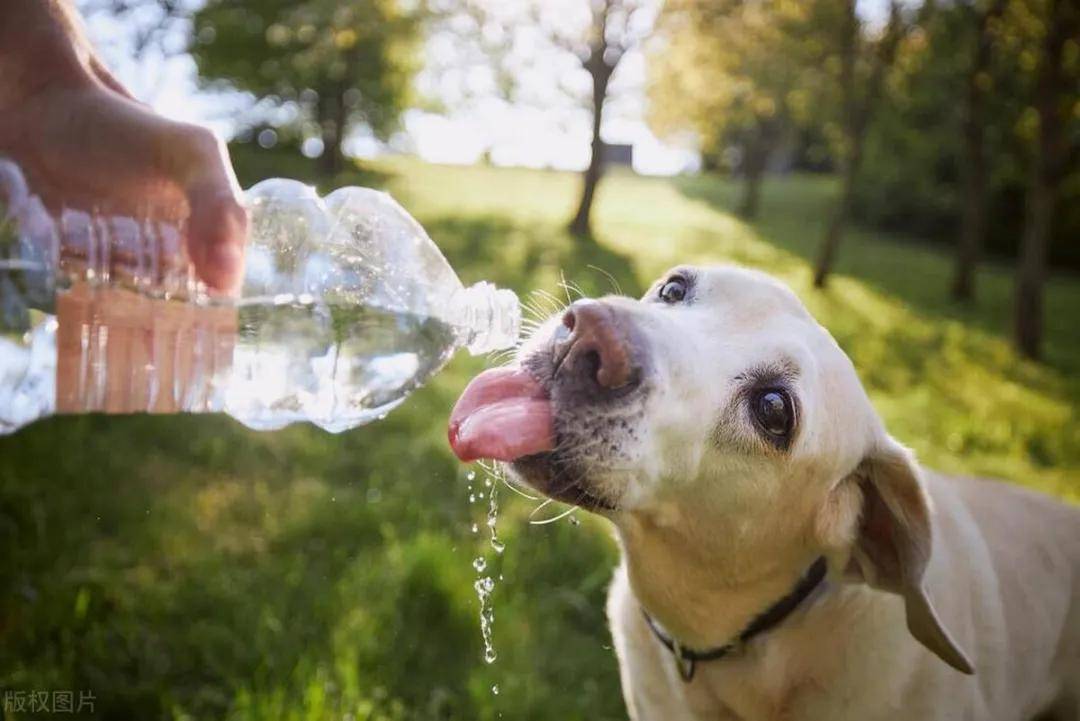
{"x": 893, "y": 543}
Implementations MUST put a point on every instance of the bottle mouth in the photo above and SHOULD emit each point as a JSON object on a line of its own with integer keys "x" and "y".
{"x": 489, "y": 317}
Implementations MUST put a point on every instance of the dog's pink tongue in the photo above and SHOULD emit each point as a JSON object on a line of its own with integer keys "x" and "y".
{"x": 503, "y": 414}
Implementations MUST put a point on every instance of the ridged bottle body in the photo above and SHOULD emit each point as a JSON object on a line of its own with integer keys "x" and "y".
{"x": 346, "y": 307}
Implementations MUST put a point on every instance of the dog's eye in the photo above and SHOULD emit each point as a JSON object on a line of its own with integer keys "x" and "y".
{"x": 774, "y": 413}
{"x": 674, "y": 290}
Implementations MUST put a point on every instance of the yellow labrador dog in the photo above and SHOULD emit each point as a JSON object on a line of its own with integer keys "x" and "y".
{"x": 783, "y": 556}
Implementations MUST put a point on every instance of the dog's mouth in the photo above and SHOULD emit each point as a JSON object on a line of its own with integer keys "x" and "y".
{"x": 506, "y": 414}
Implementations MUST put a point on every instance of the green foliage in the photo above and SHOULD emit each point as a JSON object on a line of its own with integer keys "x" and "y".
{"x": 339, "y": 63}
{"x": 739, "y": 74}
{"x": 911, "y": 174}
{"x": 187, "y": 568}
{"x": 735, "y": 72}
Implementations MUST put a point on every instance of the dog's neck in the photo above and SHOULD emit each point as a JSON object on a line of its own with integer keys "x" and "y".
{"x": 705, "y": 596}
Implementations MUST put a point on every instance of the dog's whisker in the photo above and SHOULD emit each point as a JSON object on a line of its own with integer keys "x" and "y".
{"x": 543, "y": 300}
{"x": 556, "y": 303}
{"x": 534, "y": 308}
{"x": 614, "y": 283}
{"x": 514, "y": 487}
{"x": 574, "y": 287}
{"x": 566, "y": 289}
{"x": 545, "y": 521}
{"x": 503, "y": 357}
{"x": 530, "y": 326}
{"x": 536, "y": 510}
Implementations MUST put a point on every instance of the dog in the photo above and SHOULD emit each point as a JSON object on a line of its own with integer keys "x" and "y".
{"x": 783, "y": 557}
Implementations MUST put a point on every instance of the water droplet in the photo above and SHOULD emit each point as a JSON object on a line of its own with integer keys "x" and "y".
{"x": 484, "y": 586}
{"x": 495, "y": 689}
{"x": 470, "y": 476}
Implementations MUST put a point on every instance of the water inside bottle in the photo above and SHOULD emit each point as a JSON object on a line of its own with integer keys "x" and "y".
{"x": 268, "y": 363}
{"x": 357, "y": 364}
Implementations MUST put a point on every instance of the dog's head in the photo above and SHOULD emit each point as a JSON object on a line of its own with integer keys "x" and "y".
{"x": 713, "y": 418}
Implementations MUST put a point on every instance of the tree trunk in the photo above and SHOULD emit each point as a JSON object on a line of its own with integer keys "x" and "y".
{"x": 1045, "y": 177}
{"x": 756, "y": 157}
{"x": 332, "y": 160}
{"x": 835, "y": 232}
{"x": 973, "y": 159}
{"x": 581, "y": 225}
{"x": 858, "y": 114}
{"x": 333, "y": 120}
{"x": 1031, "y": 271}
{"x": 838, "y": 223}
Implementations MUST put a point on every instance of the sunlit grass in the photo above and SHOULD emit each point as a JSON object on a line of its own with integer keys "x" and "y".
{"x": 190, "y": 568}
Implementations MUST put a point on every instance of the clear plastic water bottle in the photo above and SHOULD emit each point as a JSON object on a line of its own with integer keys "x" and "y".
{"x": 346, "y": 307}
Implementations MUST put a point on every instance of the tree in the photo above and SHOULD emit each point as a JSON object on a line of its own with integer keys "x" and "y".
{"x": 736, "y": 73}
{"x": 579, "y": 44}
{"x": 914, "y": 179}
{"x": 1054, "y": 95}
{"x": 863, "y": 67}
{"x": 338, "y": 64}
{"x": 973, "y": 159}
{"x": 615, "y": 29}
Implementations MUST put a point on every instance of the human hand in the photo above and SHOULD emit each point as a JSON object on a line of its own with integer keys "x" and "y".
{"x": 83, "y": 141}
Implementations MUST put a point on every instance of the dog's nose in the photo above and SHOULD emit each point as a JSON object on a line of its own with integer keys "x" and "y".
{"x": 591, "y": 342}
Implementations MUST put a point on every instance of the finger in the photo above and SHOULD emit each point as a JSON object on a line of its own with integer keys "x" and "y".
{"x": 217, "y": 225}
{"x": 217, "y": 228}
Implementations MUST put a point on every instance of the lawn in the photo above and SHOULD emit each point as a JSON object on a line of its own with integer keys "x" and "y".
{"x": 186, "y": 568}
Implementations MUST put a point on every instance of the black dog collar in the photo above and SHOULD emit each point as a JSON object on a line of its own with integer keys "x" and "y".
{"x": 687, "y": 659}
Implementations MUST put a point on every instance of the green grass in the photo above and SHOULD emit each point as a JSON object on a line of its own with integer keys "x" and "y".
{"x": 188, "y": 568}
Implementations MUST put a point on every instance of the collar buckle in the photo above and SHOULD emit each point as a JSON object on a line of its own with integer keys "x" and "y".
{"x": 684, "y": 664}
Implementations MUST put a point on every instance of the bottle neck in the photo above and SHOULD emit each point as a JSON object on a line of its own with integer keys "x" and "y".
{"x": 487, "y": 318}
